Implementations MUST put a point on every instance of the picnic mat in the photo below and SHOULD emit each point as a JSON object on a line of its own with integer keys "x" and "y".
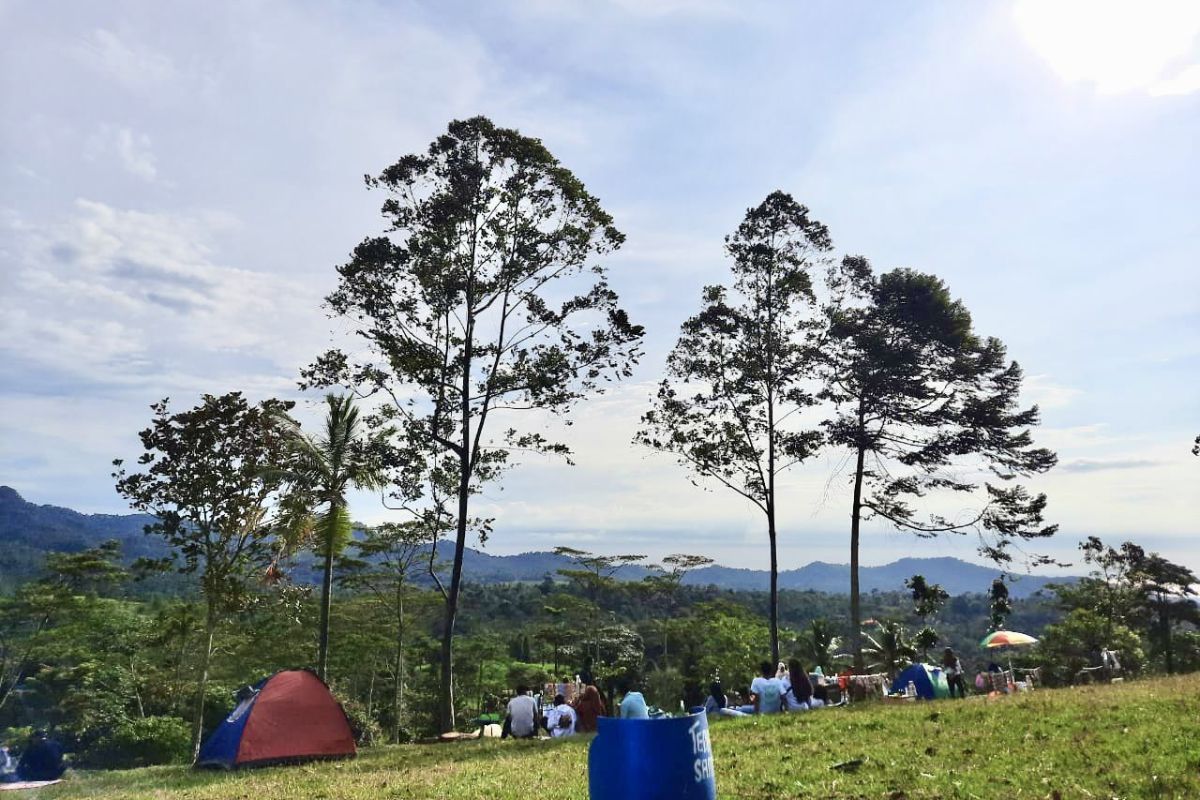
{"x": 12, "y": 787}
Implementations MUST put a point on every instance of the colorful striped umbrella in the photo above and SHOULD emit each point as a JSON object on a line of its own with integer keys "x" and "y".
{"x": 1007, "y": 639}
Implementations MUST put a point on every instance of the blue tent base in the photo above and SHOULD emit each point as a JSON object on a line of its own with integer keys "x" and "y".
{"x": 929, "y": 682}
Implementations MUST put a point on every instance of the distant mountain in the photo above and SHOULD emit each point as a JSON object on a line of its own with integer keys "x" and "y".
{"x": 29, "y": 531}
{"x": 955, "y": 575}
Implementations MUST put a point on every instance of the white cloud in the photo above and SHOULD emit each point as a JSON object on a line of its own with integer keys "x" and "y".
{"x": 1116, "y": 46}
{"x": 131, "y": 64}
{"x": 1042, "y": 390}
{"x": 132, "y": 150}
{"x": 125, "y": 297}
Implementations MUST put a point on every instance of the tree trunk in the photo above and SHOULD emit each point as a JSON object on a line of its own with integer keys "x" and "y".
{"x": 371, "y": 691}
{"x": 446, "y": 700}
{"x": 1164, "y": 622}
{"x": 774, "y": 600}
{"x": 855, "y": 608}
{"x": 326, "y": 602}
{"x": 398, "y": 689}
{"x": 210, "y": 630}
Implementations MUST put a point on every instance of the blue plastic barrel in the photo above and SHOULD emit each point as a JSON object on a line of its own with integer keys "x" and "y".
{"x": 652, "y": 759}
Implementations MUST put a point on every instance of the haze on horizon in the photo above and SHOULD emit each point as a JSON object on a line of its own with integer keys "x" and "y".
{"x": 180, "y": 181}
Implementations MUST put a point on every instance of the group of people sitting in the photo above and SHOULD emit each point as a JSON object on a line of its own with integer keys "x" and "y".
{"x": 524, "y": 717}
{"x": 40, "y": 760}
{"x": 777, "y": 689}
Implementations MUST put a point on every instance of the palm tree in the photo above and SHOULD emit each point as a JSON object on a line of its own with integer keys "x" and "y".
{"x": 889, "y": 652}
{"x": 822, "y": 645}
{"x": 321, "y": 469}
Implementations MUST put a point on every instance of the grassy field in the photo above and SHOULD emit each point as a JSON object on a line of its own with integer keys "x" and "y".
{"x": 1137, "y": 740}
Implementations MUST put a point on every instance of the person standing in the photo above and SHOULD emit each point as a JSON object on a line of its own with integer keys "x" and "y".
{"x": 588, "y": 708}
{"x": 952, "y": 668}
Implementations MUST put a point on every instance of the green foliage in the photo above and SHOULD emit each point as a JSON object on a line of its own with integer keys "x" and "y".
{"x": 999, "y": 604}
{"x": 320, "y": 470}
{"x": 208, "y": 477}
{"x": 1067, "y": 647}
{"x": 887, "y": 650}
{"x": 141, "y": 742}
{"x": 732, "y": 643}
{"x": 664, "y": 688}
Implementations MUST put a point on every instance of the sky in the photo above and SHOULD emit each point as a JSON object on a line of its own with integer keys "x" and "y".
{"x": 178, "y": 182}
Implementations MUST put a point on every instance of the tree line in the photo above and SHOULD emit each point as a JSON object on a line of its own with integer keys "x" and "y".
{"x": 88, "y": 651}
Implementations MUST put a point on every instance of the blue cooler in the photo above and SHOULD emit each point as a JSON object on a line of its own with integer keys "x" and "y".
{"x": 652, "y": 759}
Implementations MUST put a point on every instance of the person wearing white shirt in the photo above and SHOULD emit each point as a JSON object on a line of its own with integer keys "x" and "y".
{"x": 521, "y": 721}
{"x": 767, "y": 691}
{"x": 560, "y": 719}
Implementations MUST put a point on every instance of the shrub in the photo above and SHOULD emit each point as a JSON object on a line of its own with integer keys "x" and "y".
{"x": 142, "y": 742}
{"x": 664, "y": 688}
{"x": 367, "y": 730}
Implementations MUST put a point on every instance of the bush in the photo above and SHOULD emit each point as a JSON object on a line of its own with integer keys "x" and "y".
{"x": 664, "y": 688}
{"x": 142, "y": 742}
{"x": 367, "y": 730}
{"x": 533, "y": 676}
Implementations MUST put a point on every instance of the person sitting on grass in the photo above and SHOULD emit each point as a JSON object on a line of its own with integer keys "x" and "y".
{"x": 588, "y": 708}
{"x": 521, "y": 720}
{"x": 717, "y": 704}
{"x": 633, "y": 705}
{"x": 797, "y": 688}
{"x": 560, "y": 720}
{"x": 952, "y": 667}
{"x": 42, "y": 759}
{"x": 767, "y": 691}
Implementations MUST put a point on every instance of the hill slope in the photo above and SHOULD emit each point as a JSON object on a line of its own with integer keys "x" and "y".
{"x": 1125, "y": 740}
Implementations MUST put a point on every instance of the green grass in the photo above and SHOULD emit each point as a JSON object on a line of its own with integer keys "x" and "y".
{"x": 1136, "y": 740}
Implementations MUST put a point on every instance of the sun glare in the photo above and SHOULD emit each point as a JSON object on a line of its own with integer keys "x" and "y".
{"x": 1117, "y": 46}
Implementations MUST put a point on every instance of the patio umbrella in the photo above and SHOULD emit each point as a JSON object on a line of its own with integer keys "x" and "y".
{"x": 1007, "y": 639}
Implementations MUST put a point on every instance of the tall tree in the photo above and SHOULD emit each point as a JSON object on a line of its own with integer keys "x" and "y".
{"x": 737, "y": 376}
{"x": 928, "y": 599}
{"x": 481, "y": 299}
{"x": 207, "y": 479}
{"x": 662, "y": 589}
{"x": 388, "y": 557}
{"x": 924, "y": 404}
{"x": 595, "y": 576}
{"x": 320, "y": 470}
{"x": 1168, "y": 589}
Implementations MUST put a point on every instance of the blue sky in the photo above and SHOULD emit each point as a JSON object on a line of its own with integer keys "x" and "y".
{"x": 177, "y": 182}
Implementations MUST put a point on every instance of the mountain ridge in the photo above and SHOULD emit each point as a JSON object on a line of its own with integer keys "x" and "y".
{"x": 28, "y": 531}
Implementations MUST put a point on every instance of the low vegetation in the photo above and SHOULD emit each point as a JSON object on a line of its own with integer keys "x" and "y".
{"x": 1139, "y": 739}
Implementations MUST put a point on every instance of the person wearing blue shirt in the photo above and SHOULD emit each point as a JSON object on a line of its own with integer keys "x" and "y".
{"x": 767, "y": 691}
{"x": 633, "y": 706}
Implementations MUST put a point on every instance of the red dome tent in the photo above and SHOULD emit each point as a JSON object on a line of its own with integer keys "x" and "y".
{"x": 290, "y": 717}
